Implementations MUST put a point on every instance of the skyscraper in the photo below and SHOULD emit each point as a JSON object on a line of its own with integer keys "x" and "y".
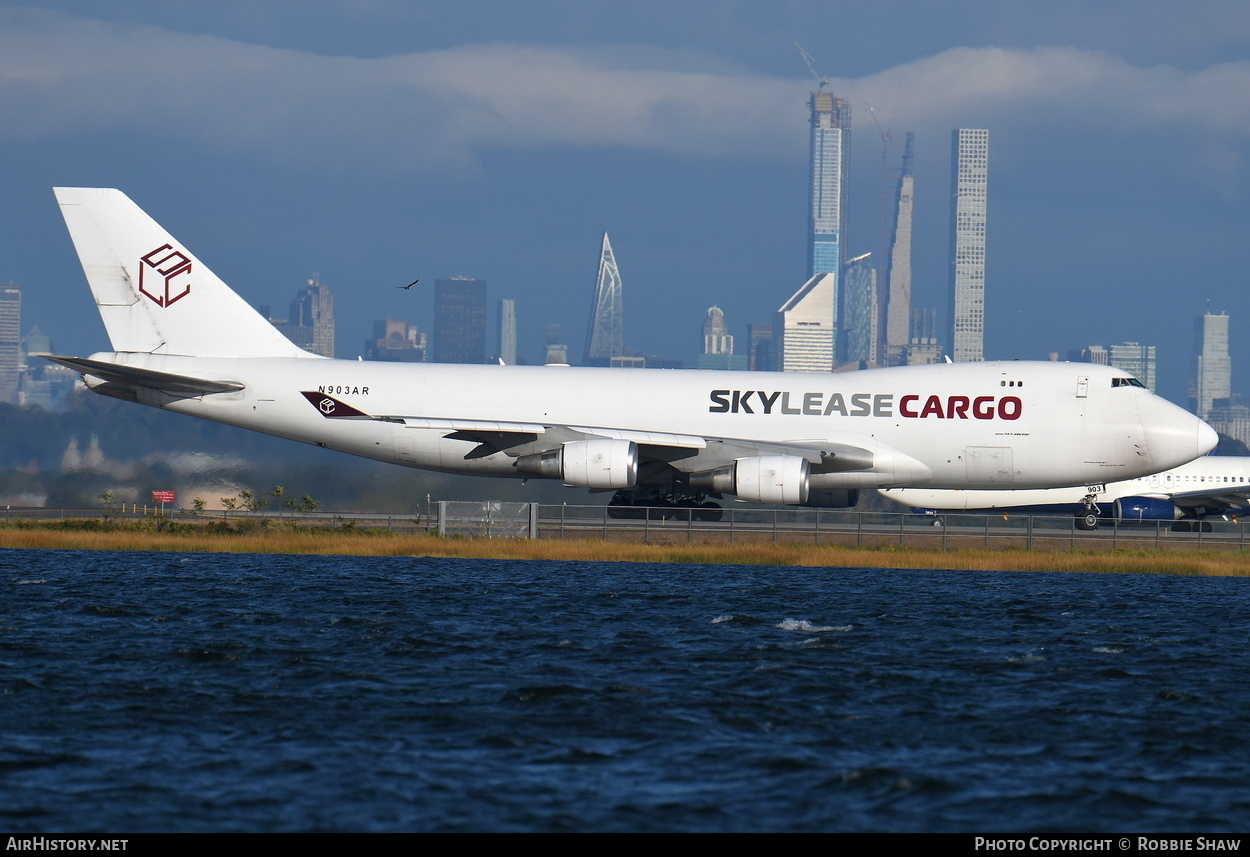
{"x": 10, "y": 342}
{"x": 830, "y": 150}
{"x": 969, "y": 171}
{"x": 760, "y": 358}
{"x": 507, "y": 331}
{"x": 459, "y": 320}
{"x": 923, "y": 346}
{"x": 311, "y": 321}
{"x": 805, "y": 330}
{"x": 605, "y": 337}
{"x": 557, "y": 352}
{"x": 396, "y": 341}
{"x": 313, "y": 308}
{"x": 1138, "y": 360}
{"x": 1212, "y": 372}
{"x": 897, "y": 333}
{"x": 857, "y": 328}
{"x": 1089, "y": 354}
{"x": 718, "y": 344}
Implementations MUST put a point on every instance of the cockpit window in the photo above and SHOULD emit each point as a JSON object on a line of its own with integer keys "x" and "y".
{"x": 1127, "y": 382}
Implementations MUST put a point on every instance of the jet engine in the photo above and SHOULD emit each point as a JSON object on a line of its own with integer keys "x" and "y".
{"x": 594, "y": 463}
{"x": 1130, "y": 509}
{"x": 778, "y": 479}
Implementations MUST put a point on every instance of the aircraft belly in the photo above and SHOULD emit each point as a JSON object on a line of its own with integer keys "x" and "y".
{"x": 431, "y": 449}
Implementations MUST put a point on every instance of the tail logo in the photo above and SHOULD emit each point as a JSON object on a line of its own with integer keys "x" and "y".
{"x": 163, "y": 285}
{"x": 326, "y": 406}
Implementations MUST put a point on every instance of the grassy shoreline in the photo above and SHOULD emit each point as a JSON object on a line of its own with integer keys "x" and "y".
{"x": 341, "y": 542}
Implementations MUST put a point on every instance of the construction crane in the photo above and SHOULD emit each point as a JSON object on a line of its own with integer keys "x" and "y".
{"x": 821, "y": 80}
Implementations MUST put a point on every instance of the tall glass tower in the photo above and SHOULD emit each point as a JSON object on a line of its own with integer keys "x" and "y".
{"x": 10, "y": 341}
{"x": 830, "y": 143}
{"x": 459, "y": 320}
{"x": 1213, "y": 368}
{"x": 970, "y": 149}
{"x": 857, "y": 329}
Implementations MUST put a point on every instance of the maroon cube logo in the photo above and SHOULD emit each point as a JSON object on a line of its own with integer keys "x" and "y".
{"x": 164, "y": 275}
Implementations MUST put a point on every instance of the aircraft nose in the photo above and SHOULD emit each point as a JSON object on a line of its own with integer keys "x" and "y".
{"x": 1175, "y": 436}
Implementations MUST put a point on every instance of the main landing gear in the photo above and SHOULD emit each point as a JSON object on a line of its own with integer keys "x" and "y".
{"x": 662, "y": 506}
{"x": 1087, "y": 519}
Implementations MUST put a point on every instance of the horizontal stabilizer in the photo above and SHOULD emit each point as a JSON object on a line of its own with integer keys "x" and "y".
{"x": 135, "y": 376}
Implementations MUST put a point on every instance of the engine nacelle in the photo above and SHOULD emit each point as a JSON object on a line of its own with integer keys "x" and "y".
{"x": 597, "y": 463}
{"x": 778, "y": 479}
{"x": 1130, "y": 509}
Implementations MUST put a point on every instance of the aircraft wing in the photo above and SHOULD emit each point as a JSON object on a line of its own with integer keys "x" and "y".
{"x": 1223, "y": 498}
{"x": 518, "y": 438}
{"x": 135, "y": 376}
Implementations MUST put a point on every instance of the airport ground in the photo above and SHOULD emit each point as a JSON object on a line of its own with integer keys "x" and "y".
{"x": 659, "y": 546}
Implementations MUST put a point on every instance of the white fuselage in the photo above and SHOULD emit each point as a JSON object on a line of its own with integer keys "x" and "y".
{"x": 1209, "y": 475}
{"x": 971, "y": 426}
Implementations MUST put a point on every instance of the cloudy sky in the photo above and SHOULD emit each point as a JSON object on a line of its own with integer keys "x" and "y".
{"x": 370, "y": 142}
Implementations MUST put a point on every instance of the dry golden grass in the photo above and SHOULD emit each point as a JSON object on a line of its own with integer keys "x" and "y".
{"x": 354, "y": 543}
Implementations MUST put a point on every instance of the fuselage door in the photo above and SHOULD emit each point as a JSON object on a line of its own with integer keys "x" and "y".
{"x": 1082, "y": 386}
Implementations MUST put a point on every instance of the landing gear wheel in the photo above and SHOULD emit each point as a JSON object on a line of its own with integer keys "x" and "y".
{"x": 1087, "y": 521}
{"x": 708, "y": 511}
{"x": 621, "y": 506}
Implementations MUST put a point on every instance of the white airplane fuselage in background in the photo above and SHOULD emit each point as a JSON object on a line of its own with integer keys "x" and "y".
{"x": 1211, "y": 486}
{"x": 183, "y": 341}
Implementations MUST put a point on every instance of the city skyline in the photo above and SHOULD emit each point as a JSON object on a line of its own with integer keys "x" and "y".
{"x": 688, "y": 143}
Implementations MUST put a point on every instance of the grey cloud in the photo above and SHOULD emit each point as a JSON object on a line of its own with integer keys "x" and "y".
{"x": 62, "y": 77}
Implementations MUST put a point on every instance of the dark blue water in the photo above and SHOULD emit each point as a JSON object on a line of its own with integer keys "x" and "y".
{"x": 197, "y": 692}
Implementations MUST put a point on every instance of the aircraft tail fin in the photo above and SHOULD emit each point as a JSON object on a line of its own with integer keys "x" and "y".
{"x": 153, "y": 294}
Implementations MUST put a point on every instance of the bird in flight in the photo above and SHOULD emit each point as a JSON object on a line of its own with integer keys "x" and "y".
{"x": 409, "y": 286}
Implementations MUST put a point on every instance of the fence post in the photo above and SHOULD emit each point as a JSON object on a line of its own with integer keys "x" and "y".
{"x": 533, "y": 520}
{"x": 1028, "y": 539}
{"x": 442, "y": 517}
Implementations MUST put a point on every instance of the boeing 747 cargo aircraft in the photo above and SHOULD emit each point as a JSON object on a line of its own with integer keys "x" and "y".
{"x": 184, "y": 341}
